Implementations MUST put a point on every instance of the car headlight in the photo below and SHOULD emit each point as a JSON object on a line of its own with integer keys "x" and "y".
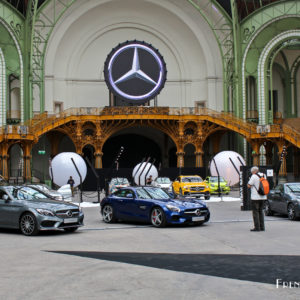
{"x": 45, "y": 212}
{"x": 173, "y": 208}
{"x": 186, "y": 187}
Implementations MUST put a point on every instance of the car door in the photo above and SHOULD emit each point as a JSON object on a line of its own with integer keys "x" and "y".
{"x": 278, "y": 199}
{"x": 283, "y": 202}
{"x": 125, "y": 204}
{"x": 143, "y": 205}
{"x": 10, "y": 210}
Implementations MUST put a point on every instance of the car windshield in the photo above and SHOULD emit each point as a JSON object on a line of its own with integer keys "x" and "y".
{"x": 156, "y": 193}
{"x": 215, "y": 179}
{"x": 42, "y": 188}
{"x": 163, "y": 180}
{"x": 120, "y": 181}
{"x": 192, "y": 179}
{"x": 27, "y": 193}
{"x": 151, "y": 193}
{"x": 294, "y": 188}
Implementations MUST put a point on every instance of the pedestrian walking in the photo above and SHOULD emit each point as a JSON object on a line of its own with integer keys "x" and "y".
{"x": 257, "y": 200}
{"x": 71, "y": 182}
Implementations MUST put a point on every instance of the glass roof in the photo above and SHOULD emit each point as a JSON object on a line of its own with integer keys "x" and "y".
{"x": 21, "y": 5}
{"x": 245, "y": 7}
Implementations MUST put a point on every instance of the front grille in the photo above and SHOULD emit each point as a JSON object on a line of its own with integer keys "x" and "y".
{"x": 68, "y": 213}
{"x": 197, "y": 188}
{"x": 193, "y": 211}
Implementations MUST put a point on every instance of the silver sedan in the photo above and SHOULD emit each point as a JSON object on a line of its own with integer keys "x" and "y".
{"x": 30, "y": 210}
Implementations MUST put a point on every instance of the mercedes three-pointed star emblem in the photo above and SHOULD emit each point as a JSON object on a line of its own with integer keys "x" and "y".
{"x": 135, "y": 71}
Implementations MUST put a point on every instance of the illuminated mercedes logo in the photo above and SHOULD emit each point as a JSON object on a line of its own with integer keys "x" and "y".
{"x": 135, "y": 71}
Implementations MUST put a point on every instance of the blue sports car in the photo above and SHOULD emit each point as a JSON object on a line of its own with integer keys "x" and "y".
{"x": 152, "y": 205}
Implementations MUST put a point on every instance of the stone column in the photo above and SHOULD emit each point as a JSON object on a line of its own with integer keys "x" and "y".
{"x": 255, "y": 158}
{"x": 180, "y": 159}
{"x": 255, "y": 153}
{"x": 199, "y": 159}
{"x": 4, "y": 166}
{"x": 27, "y": 161}
{"x": 282, "y": 170}
{"x": 98, "y": 160}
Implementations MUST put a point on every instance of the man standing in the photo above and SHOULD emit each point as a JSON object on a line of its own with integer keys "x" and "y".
{"x": 71, "y": 182}
{"x": 149, "y": 180}
{"x": 257, "y": 200}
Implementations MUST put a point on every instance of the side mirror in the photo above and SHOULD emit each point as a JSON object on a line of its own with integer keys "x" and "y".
{"x": 277, "y": 192}
{"x": 129, "y": 196}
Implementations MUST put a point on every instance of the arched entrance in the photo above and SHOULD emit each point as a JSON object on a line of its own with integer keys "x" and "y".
{"x": 138, "y": 143}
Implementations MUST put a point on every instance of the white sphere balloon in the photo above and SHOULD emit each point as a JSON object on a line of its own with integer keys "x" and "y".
{"x": 143, "y": 170}
{"x": 226, "y": 167}
{"x": 63, "y": 168}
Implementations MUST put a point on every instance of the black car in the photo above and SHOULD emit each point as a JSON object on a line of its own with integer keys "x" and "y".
{"x": 284, "y": 199}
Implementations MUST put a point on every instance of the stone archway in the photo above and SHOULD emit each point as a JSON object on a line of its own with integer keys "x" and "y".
{"x": 138, "y": 143}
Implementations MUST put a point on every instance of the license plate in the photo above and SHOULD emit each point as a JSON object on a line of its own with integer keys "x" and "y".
{"x": 196, "y": 219}
{"x": 71, "y": 220}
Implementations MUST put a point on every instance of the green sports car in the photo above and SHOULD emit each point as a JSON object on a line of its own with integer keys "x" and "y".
{"x": 212, "y": 182}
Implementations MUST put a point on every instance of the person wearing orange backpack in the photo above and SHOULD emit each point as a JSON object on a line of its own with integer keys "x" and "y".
{"x": 257, "y": 200}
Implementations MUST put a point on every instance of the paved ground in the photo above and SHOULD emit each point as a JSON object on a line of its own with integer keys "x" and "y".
{"x": 221, "y": 260}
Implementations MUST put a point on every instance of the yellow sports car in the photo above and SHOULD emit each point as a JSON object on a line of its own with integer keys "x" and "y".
{"x": 192, "y": 185}
{"x": 212, "y": 182}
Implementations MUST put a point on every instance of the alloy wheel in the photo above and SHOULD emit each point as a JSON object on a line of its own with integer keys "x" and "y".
{"x": 158, "y": 217}
{"x": 107, "y": 214}
{"x": 291, "y": 212}
{"x": 28, "y": 224}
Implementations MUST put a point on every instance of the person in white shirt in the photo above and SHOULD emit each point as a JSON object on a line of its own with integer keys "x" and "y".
{"x": 257, "y": 200}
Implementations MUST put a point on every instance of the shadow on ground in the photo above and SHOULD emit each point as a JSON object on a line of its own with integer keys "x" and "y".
{"x": 256, "y": 268}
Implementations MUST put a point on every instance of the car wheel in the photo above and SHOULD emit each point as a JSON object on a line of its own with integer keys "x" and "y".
{"x": 268, "y": 211}
{"x": 158, "y": 218}
{"x": 291, "y": 212}
{"x": 108, "y": 214}
{"x": 28, "y": 224}
{"x": 71, "y": 229}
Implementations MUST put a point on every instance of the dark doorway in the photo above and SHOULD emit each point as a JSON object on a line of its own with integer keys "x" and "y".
{"x": 88, "y": 153}
{"x": 172, "y": 158}
{"x": 136, "y": 147}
